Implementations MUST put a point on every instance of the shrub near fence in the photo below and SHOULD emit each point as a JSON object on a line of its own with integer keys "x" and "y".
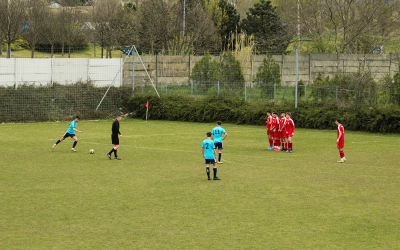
{"x": 314, "y": 115}
{"x": 59, "y": 102}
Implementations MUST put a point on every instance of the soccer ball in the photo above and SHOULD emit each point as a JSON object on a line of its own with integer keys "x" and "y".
{"x": 92, "y": 151}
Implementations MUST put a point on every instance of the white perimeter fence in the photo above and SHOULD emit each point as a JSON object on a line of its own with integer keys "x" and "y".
{"x": 100, "y": 72}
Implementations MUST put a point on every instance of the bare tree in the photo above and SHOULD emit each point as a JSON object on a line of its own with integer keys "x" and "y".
{"x": 344, "y": 25}
{"x": 50, "y": 32}
{"x": 35, "y": 13}
{"x": 103, "y": 18}
{"x": 155, "y": 19}
{"x": 12, "y": 16}
{"x": 200, "y": 33}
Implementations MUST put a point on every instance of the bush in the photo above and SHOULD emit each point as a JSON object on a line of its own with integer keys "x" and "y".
{"x": 226, "y": 108}
{"x": 269, "y": 73}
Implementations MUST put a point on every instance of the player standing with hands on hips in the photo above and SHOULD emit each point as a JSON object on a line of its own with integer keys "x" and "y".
{"x": 115, "y": 139}
{"x": 340, "y": 140}
{"x": 217, "y": 133}
{"x": 71, "y": 133}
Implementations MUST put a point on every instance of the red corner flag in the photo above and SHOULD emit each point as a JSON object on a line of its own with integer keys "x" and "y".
{"x": 147, "y": 104}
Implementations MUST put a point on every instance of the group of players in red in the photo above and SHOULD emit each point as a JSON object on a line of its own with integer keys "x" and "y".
{"x": 280, "y": 131}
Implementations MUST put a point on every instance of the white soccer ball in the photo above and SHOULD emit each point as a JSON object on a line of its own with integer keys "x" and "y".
{"x": 92, "y": 151}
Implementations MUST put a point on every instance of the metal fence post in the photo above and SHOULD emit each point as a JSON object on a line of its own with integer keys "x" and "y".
{"x": 142, "y": 84}
{"x": 305, "y": 93}
{"x": 245, "y": 94}
{"x": 133, "y": 73}
{"x": 218, "y": 87}
{"x": 337, "y": 93}
{"x": 191, "y": 81}
{"x": 274, "y": 93}
{"x": 297, "y": 75}
{"x": 369, "y": 97}
{"x": 166, "y": 85}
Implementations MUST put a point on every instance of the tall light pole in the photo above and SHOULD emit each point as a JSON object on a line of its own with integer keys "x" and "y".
{"x": 298, "y": 24}
{"x": 8, "y": 30}
{"x": 184, "y": 15}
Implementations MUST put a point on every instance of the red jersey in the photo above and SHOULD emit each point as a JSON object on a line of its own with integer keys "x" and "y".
{"x": 274, "y": 123}
{"x": 268, "y": 122}
{"x": 340, "y": 128}
{"x": 282, "y": 121}
{"x": 290, "y": 126}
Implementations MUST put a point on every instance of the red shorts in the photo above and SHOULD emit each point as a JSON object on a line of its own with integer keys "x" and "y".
{"x": 284, "y": 134}
{"x": 340, "y": 144}
{"x": 277, "y": 134}
{"x": 268, "y": 132}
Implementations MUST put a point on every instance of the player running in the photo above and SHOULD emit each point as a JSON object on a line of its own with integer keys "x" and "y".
{"x": 282, "y": 130}
{"x": 208, "y": 151}
{"x": 340, "y": 140}
{"x": 71, "y": 133}
{"x": 290, "y": 132}
{"x": 268, "y": 127}
{"x": 217, "y": 133}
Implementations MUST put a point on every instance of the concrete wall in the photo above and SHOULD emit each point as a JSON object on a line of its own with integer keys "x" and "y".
{"x": 101, "y": 72}
{"x": 177, "y": 68}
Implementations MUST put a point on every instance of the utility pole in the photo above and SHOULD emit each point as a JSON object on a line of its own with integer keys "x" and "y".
{"x": 183, "y": 33}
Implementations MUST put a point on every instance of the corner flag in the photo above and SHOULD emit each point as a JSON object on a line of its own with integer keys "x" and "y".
{"x": 147, "y": 110}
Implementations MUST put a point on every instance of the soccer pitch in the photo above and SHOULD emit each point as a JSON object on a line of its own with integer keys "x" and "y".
{"x": 158, "y": 195}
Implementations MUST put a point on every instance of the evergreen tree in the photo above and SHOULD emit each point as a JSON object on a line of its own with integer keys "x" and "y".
{"x": 264, "y": 23}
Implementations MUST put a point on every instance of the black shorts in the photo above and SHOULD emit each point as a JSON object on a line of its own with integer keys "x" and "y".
{"x": 115, "y": 139}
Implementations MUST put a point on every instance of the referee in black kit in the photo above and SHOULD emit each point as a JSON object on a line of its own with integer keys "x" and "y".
{"x": 115, "y": 139}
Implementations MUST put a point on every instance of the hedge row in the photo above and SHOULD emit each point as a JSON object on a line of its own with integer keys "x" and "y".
{"x": 235, "y": 110}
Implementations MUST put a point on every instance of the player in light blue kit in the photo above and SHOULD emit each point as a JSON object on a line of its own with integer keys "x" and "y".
{"x": 71, "y": 133}
{"x": 217, "y": 132}
{"x": 208, "y": 150}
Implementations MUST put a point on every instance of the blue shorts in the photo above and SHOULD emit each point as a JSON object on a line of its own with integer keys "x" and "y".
{"x": 68, "y": 135}
{"x": 218, "y": 145}
{"x": 210, "y": 161}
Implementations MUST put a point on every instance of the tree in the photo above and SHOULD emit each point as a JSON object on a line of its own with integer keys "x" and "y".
{"x": 155, "y": 18}
{"x": 269, "y": 73}
{"x": 104, "y": 19}
{"x": 50, "y": 32}
{"x": 206, "y": 72}
{"x": 231, "y": 72}
{"x": 226, "y": 21}
{"x": 264, "y": 23}
{"x": 12, "y": 17}
{"x": 200, "y": 33}
{"x": 36, "y": 11}
{"x": 70, "y": 24}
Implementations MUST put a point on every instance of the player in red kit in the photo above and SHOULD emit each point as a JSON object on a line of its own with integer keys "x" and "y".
{"x": 289, "y": 131}
{"x": 340, "y": 140}
{"x": 275, "y": 131}
{"x": 282, "y": 129}
{"x": 268, "y": 127}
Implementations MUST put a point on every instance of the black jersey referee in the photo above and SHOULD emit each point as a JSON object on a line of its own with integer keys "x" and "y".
{"x": 115, "y": 138}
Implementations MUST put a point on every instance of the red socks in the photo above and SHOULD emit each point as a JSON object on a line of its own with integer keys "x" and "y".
{"x": 290, "y": 145}
{"x": 271, "y": 142}
{"x": 341, "y": 154}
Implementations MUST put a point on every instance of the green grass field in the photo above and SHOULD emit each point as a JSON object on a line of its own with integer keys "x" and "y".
{"x": 158, "y": 195}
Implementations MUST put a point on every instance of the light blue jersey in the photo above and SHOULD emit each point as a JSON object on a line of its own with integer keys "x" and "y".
{"x": 208, "y": 146}
{"x": 217, "y": 132}
{"x": 71, "y": 128}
